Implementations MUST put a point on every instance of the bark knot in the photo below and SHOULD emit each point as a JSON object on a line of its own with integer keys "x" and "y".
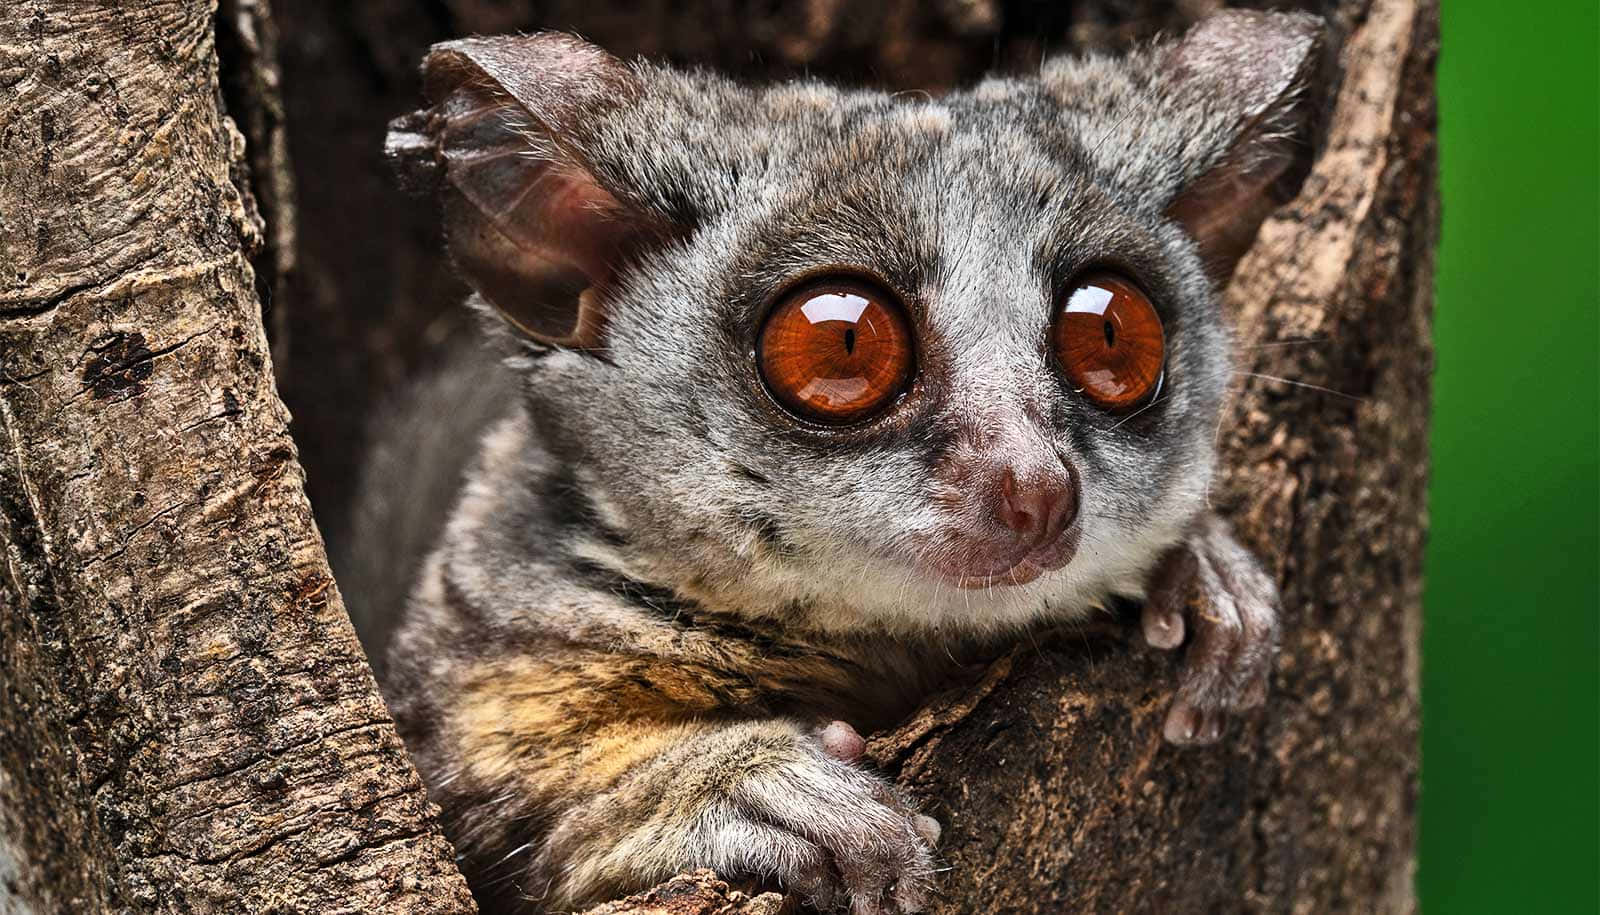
{"x": 122, "y": 363}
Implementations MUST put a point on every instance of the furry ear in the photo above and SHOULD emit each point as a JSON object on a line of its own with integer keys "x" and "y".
{"x": 1247, "y": 73}
{"x": 530, "y": 225}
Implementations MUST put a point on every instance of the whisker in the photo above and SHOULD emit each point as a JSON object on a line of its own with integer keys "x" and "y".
{"x": 1303, "y": 384}
{"x": 1305, "y": 341}
{"x": 1155, "y": 400}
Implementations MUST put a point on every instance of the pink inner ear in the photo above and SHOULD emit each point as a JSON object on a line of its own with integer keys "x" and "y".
{"x": 1223, "y": 209}
{"x": 544, "y": 206}
{"x": 540, "y": 241}
{"x": 576, "y": 220}
{"x": 529, "y": 224}
{"x": 1255, "y": 64}
{"x": 532, "y": 229}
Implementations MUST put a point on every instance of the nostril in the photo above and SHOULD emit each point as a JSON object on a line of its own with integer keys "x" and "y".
{"x": 1035, "y": 510}
{"x": 1019, "y": 508}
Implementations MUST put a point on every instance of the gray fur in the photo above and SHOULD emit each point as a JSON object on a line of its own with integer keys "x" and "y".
{"x": 421, "y": 445}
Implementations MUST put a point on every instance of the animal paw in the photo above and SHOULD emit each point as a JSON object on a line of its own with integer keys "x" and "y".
{"x": 828, "y": 831}
{"x": 1213, "y": 593}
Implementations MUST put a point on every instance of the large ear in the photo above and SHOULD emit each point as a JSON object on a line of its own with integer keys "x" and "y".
{"x": 1248, "y": 72}
{"x": 529, "y": 225}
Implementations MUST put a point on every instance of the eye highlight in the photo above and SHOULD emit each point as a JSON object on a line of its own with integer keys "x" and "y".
{"x": 836, "y": 351}
{"x": 1109, "y": 341}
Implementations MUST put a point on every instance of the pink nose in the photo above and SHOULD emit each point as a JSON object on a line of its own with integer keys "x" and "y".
{"x": 1036, "y": 508}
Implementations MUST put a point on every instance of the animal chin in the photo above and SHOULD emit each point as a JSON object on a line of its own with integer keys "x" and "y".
{"x": 968, "y": 570}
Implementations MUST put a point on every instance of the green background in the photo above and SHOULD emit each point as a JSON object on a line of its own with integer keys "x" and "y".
{"x": 1511, "y": 684}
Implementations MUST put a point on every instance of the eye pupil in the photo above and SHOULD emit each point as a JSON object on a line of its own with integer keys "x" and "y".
{"x": 801, "y": 362}
{"x": 1109, "y": 341}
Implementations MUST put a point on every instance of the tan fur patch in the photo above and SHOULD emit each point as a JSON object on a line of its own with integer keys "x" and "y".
{"x": 578, "y": 722}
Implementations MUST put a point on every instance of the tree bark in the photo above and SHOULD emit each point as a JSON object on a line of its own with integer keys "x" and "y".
{"x": 186, "y": 720}
{"x": 697, "y": 893}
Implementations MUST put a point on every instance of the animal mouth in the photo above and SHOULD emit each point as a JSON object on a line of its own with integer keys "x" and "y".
{"x": 1018, "y": 570}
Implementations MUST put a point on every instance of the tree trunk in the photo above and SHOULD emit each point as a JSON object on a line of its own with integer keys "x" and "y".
{"x": 186, "y": 720}
{"x": 173, "y": 647}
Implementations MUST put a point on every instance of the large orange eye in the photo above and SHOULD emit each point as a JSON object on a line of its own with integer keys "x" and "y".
{"x": 1108, "y": 338}
{"x": 836, "y": 351}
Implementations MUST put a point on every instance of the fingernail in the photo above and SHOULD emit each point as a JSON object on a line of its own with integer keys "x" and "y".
{"x": 1181, "y": 724}
{"x": 928, "y": 828}
{"x": 1163, "y": 630}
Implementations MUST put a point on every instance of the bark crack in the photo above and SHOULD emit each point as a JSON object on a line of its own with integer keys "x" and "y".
{"x": 271, "y": 755}
{"x": 130, "y": 533}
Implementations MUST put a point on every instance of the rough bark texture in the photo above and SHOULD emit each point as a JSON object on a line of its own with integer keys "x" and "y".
{"x": 185, "y": 718}
{"x": 696, "y": 893}
{"x": 186, "y": 721}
